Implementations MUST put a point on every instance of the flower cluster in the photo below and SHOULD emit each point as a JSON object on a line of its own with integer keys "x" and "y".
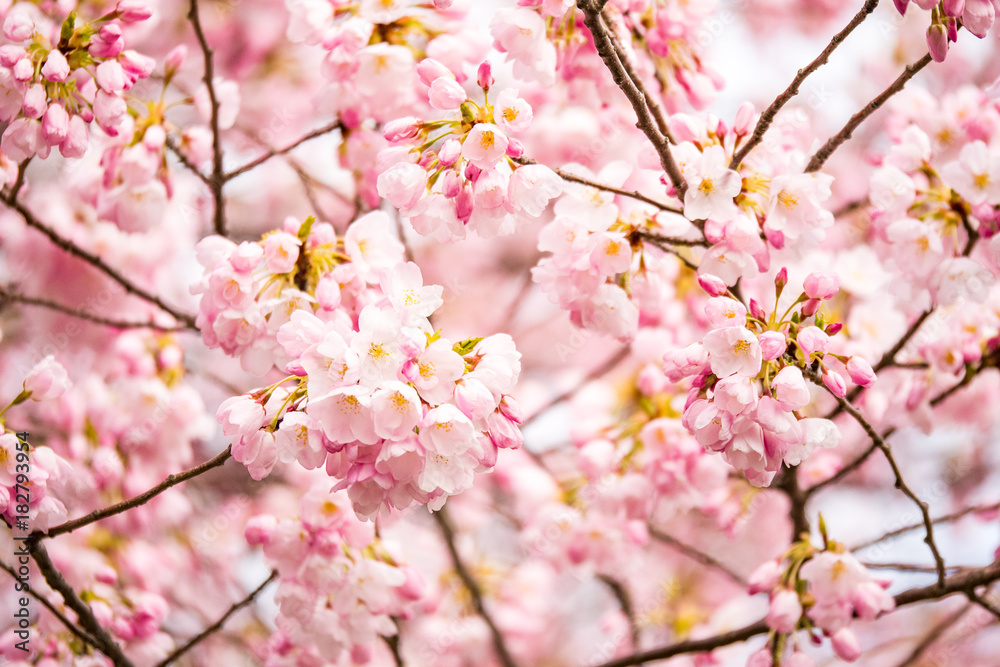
{"x": 463, "y": 178}
{"x": 749, "y": 381}
{"x": 398, "y": 413}
{"x": 977, "y": 16}
{"x": 339, "y": 588}
{"x": 57, "y": 78}
{"x": 825, "y": 589}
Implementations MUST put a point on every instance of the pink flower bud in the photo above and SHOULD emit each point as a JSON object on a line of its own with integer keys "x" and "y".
{"x": 400, "y": 129}
{"x": 860, "y": 371}
{"x": 18, "y": 27}
{"x": 845, "y": 645}
{"x": 510, "y": 409}
{"x": 55, "y": 125}
{"x": 764, "y": 578}
{"x": 110, "y": 76}
{"x": 784, "y": 611}
{"x": 781, "y": 279}
{"x": 23, "y": 70}
{"x": 20, "y": 139}
{"x": 47, "y": 380}
{"x": 813, "y": 339}
{"x": 55, "y": 68}
{"x": 77, "y": 139}
{"x": 834, "y": 328}
{"x": 474, "y": 399}
{"x": 772, "y": 345}
{"x": 449, "y": 152}
{"x": 133, "y": 11}
{"x": 35, "y": 101}
{"x": 937, "y": 42}
{"x": 810, "y": 307}
{"x": 484, "y": 77}
{"x": 757, "y": 311}
{"x": 821, "y": 284}
{"x": 515, "y": 148}
{"x": 429, "y": 70}
{"x": 175, "y": 59}
{"x": 901, "y": 5}
{"x": 744, "y": 119}
{"x": 451, "y": 184}
{"x": 108, "y": 42}
{"x": 713, "y": 285}
{"x": 10, "y": 54}
{"x": 446, "y": 94}
{"x": 835, "y": 383}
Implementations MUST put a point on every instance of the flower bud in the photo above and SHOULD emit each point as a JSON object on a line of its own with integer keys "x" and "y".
{"x": 772, "y": 345}
{"x": 764, "y": 578}
{"x": 713, "y": 285}
{"x": 784, "y": 611}
{"x": 400, "y": 129}
{"x": 429, "y": 70}
{"x": 835, "y": 383}
{"x": 47, "y": 380}
{"x": 781, "y": 279}
{"x": 757, "y": 311}
{"x": 821, "y": 284}
{"x": 937, "y": 42}
{"x": 484, "y": 77}
{"x": 55, "y": 68}
{"x": 834, "y": 328}
{"x": 744, "y": 119}
{"x": 845, "y": 645}
{"x": 18, "y": 27}
{"x": 860, "y": 371}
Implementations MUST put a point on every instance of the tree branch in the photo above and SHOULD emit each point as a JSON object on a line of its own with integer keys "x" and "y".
{"x": 84, "y": 637}
{"x": 136, "y": 501}
{"x": 901, "y": 484}
{"x": 766, "y": 118}
{"x": 6, "y": 294}
{"x": 824, "y": 153}
{"x": 274, "y": 152}
{"x": 105, "y": 643}
{"x": 215, "y": 627}
{"x": 621, "y": 594}
{"x": 788, "y": 482}
{"x": 696, "y": 555}
{"x": 474, "y": 591}
{"x": 217, "y": 179}
{"x": 605, "y": 48}
{"x": 947, "y": 518}
{"x": 934, "y": 634}
{"x": 95, "y": 261}
{"x": 604, "y": 368}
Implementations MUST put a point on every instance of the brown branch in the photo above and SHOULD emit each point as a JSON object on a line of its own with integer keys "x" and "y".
{"x": 766, "y": 118}
{"x": 983, "y": 602}
{"x": 823, "y": 154}
{"x": 673, "y": 251}
{"x": 217, "y": 178}
{"x": 672, "y": 240}
{"x": 633, "y": 194}
{"x": 7, "y": 295}
{"x": 136, "y": 501}
{"x": 253, "y": 164}
{"x": 690, "y": 646}
{"x": 697, "y": 556}
{"x": 933, "y": 635}
{"x": 901, "y": 484}
{"x": 605, "y": 48}
{"x": 84, "y": 637}
{"x": 959, "y": 583}
{"x": 624, "y": 600}
{"x": 788, "y": 482}
{"x": 947, "y": 518}
{"x": 473, "y": 587}
{"x": 215, "y": 627}
{"x": 184, "y": 160}
{"x": 96, "y": 262}
{"x": 604, "y": 368}
{"x": 105, "y": 643}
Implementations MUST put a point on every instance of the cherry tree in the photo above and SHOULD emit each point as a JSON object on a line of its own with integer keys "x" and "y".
{"x": 411, "y": 332}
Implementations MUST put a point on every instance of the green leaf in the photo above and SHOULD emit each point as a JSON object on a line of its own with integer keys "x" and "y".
{"x": 466, "y": 346}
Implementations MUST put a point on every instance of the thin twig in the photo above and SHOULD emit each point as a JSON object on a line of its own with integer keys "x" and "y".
{"x": 604, "y": 368}
{"x": 933, "y": 635}
{"x": 690, "y": 646}
{"x": 274, "y": 152}
{"x": 621, "y": 594}
{"x": 136, "y": 501}
{"x": 901, "y": 484}
{"x": 947, "y": 518}
{"x": 696, "y": 555}
{"x": 983, "y": 602}
{"x": 55, "y": 612}
{"x": 766, "y": 118}
{"x": 215, "y": 627}
{"x": 824, "y": 153}
{"x": 633, "y": 194}
{"x": 472, "y": 586}
{"x": 184, "y": 160}
{"x": 788, "y": 482}
{"x": 217, "y": 178}
{"x": 105, "y": 643}
{"x": 96, "y": 262}
{"x": 656, "y": 243}
{"x": 7, "y": 295}
{"x": 605, "y": 48}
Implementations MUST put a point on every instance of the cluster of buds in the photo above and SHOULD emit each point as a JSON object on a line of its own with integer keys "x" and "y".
{"x": 816, "y": 590}
{"x": 459, "y": 174}
{"x": 749, "y": 377}
{"x": 976, "y": 16}
{"x": 56, "y": 79}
